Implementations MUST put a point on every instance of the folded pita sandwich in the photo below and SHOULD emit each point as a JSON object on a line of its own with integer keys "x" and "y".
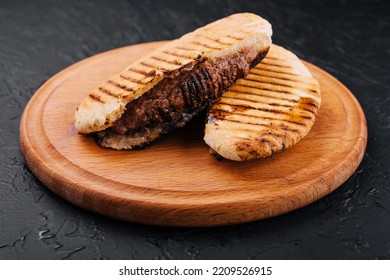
{"x": 168, "y": 87}
{"x": 269, "y": 110}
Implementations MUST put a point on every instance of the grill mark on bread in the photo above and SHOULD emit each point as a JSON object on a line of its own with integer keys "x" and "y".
{"x": 107, "y": 92}
{"x": 302, "y": 103}
{"x": 308, "y": 104}
{"x": 273, "y": 77}
{"x": 264, "y": 133}
{"x": 275, "y": 83}
{"x": 175, "y": 62}
{"x": 262, "y": 67}
{"x": 276, "y": 65}
{"x": 212, "y": 39}
{"x": 261, "y": 99}
{"x": 134, "y": 81}
{"x": 257, "y": 102}
{"x": 185, "y": 49}
{"x": 178, "y": 55}
{"x": 235, "y": 37}
{"x": 263, "y": 95}
{"x": 226, "y": 113}
{"x": 120, "y": 86}
{"x": 267, "y": 83}
{"x": 276, "y": 58}
{"x": 142, "y": 72}
{"x": 288, "y": 128}
{"x": 96, "y": 98}
{"x": 204, "y": 45}
{"x": 273, "y": 133}
{"x": 315, "y": 106}
{"x": 151, "y": 66}
{"x": 308, "y": 110}
{"x": 282, "y": 125}
{"x": 262, "y": 88}
{"x": 312, "y": 104}
{"x": 276, "y": 104}
{"x": 240, "y": 107}
{"x": 256, "y": 125}
{"x": 263, "y": 141}
{"x": 276, "y": 77}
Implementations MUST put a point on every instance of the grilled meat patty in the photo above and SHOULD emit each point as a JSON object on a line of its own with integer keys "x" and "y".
{"x": 177, "y": 100}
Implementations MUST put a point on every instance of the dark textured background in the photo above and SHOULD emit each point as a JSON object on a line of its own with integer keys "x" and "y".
{"x": 349, "y": 39}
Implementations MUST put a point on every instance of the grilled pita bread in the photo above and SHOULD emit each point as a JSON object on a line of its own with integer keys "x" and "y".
{"x": 268, "y": 111}
{"x": 105, "y": 105}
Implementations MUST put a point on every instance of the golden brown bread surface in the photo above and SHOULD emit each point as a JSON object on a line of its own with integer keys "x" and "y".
{"x": 268, "y": 111}
{"x": 105, "y": 104}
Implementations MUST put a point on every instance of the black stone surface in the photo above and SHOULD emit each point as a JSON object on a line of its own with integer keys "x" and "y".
{"x": 349, "y": 39}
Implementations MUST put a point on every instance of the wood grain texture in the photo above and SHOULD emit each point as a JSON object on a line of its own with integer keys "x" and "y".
{"x": 176, "y": 182}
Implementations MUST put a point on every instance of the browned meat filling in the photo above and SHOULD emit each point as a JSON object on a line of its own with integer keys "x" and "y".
{"x": 177, "y": 100}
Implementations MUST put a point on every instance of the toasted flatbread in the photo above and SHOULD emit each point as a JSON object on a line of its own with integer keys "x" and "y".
{"x": 104, "y": 106}
{"x": 268, "y": 111}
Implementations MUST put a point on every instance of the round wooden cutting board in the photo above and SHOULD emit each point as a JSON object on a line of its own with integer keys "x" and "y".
{"x": 176, "y": 181}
